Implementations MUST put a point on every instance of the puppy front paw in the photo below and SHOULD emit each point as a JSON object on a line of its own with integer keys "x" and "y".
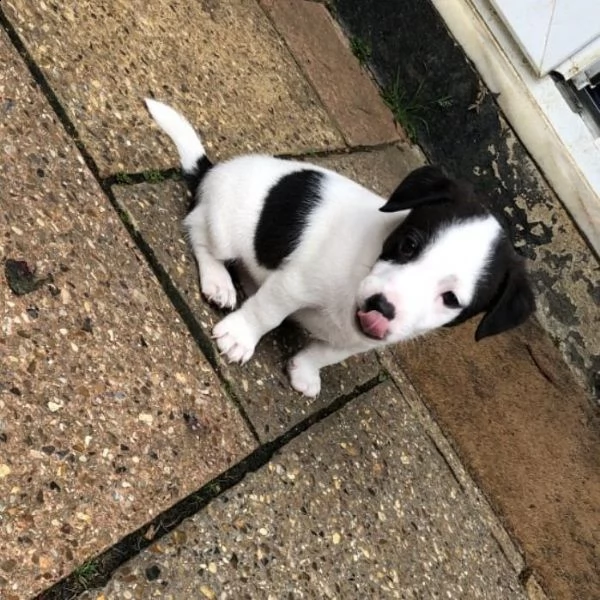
{"x": 235, "y": 338}
{"x": 304, "y": 377}
{"x": 217, "y": 287}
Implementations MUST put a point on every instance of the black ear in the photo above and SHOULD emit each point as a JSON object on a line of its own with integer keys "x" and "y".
{"x": 512, "y": 305}
{"x": 424, "y": 185}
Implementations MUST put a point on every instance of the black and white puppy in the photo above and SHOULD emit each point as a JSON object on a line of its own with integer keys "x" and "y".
{"x": 356, "y": 270}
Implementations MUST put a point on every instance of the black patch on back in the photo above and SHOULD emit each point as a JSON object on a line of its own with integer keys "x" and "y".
{"x": 194, "y": 178}
{"x": 284, "y": 216}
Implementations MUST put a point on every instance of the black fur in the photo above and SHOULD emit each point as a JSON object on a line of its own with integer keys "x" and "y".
{"x": 504, "y": 294}
{"x": 194, "y": 178}
{"x": 284, "y": 216}
{"x": 417, "y": 231}
{"x": 422, "y": 187}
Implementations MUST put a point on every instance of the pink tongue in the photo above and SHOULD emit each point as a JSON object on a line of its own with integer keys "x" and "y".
{"x": 373, "y": 323}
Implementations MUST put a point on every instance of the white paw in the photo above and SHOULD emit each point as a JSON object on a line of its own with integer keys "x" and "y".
{"x": 217, "y": 287}
{"x": 235, "y": 338}
{"x": 304, "y": 377}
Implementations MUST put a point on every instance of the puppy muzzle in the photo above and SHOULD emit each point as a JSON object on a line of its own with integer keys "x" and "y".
{"x": 374, "y": 319}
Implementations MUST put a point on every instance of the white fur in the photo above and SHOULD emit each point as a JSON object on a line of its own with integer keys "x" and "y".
{"x": 179, "y": 129}
{"x": 333, "y": 269}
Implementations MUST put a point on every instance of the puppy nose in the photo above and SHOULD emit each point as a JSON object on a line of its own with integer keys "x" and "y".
{"x": 380, "y": 303}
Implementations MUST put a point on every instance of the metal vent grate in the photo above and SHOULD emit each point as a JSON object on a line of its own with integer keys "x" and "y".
{"x": 584, "y": 96}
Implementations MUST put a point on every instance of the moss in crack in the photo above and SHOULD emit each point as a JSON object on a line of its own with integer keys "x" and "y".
{"x": 154, "y": 176}
{"x": 361, "y": 49}
{"x": 123, "y": 178}
{"x": 126, "y": 218}
{"x": 86, "y": 573}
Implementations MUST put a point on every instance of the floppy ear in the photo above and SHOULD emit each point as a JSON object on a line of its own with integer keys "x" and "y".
{"x": 511, "y": 307}
{"x": 424, "y": 185}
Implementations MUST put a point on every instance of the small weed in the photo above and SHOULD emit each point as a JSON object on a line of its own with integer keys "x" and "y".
{"x": 444, "y": 102}
{"x": 360, "y": 49}
{"x": 122, "y": 178}
{"x": 153, "y": 176}
{"x": 85, "y": 573}
{"x": 408, "y": 109}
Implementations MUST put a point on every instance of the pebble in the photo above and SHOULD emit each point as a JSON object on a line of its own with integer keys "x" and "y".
{"x": 83, "y": 517}
{"x": 146, "y": 418}
{"x": 207, "y": 592}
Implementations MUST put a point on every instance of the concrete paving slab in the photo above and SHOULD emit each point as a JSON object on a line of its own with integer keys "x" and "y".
{"x": 379, "y": 170}
{"x": 221, "y": 63}
{"x": 322, "y": 50}
{"x": 261, "y": 385}
{"x": 96, "y": 369}
{"x": 530, "y": 438}
{"x": 361, "y": 505}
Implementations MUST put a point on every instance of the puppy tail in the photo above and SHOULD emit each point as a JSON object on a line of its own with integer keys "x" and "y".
{"x": 194, "y": 162}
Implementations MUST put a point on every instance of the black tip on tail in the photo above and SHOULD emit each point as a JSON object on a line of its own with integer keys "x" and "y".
{"x": 194, "y": 178}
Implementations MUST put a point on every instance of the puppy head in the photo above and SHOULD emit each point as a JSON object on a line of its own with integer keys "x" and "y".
{"x": 446, "y": 262}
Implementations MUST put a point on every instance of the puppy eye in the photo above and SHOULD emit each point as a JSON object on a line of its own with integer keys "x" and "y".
{"x": 450, "y": 300}
{"x": 410, "y": 246}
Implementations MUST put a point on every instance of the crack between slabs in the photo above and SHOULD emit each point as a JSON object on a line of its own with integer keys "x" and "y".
{"x": 106, "y": 563}
{"x": 157, "y": 176}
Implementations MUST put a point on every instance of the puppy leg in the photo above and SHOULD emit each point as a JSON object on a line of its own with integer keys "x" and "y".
{"x": 238, "y": 333}
{"x": 215, "y": 280}
{"x": 303, "y": 369}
